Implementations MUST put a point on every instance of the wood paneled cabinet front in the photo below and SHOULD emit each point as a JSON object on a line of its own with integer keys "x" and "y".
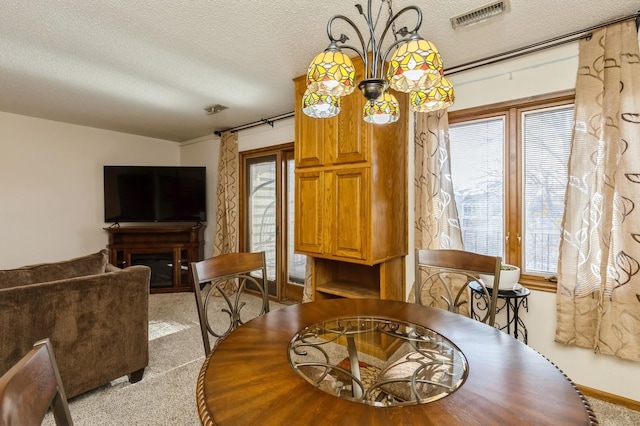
{"x": 332, "y": 214}
{"x": 309, "y": 212}
{"x": 351, "y": 198}
{"x": 309, "y": 152}
{"x": 348, "y": 213}
{"x": 331, "y": 141}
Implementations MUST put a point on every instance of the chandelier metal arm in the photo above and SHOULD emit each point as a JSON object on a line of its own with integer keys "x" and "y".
{"x": 372, "y": 71}
{"x": 403, "y": 31}
{"x": 343, "y": 38}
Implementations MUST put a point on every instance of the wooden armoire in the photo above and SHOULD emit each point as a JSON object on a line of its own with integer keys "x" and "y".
{"x": 351, "y": 199}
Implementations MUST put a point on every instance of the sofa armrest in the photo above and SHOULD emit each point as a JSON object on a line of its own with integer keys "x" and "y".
{"x": 98, "y": 325}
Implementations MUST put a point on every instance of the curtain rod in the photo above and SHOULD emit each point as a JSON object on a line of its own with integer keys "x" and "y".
{"x": 532, "y": 48}
{"x": 536, "y": 47}
{"x": 260, "y": 122}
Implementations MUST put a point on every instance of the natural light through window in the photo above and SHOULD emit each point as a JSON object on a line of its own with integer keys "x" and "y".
{"x": 476, "y": 166}
{"x": 547, "y": 136}
{"x": 509, "y": 173}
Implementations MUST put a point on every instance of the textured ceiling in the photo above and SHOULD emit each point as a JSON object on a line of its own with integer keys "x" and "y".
{"x": 150, "y": 67}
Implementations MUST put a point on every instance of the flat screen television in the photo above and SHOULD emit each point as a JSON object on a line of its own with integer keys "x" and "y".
{"x": 155, "y": 194}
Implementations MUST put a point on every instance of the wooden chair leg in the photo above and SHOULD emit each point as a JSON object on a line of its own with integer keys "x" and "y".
{"x": 60, "y": 410}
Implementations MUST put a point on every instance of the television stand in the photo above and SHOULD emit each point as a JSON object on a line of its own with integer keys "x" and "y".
{"x": 167, "y": 249}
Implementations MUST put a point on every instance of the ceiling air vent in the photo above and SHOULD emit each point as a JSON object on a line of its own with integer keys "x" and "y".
{"x": 214, "y": 109}
{"x": 480, "y": 14}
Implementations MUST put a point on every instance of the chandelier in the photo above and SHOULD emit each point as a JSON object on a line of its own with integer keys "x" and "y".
{"x": 415, "y": 68}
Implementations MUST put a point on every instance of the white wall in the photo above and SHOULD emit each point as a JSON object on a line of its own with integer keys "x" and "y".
{"x": 263, "y": 136}
{"x": 51, "y": 202}
{"x": 549, "y": 71}
{"x": 205, "y": 152}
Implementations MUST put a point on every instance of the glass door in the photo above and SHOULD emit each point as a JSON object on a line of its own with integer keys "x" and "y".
{"x": 260, "y": 218}
{"x": 296, "y": 264}
{"x": 267, "y": 206}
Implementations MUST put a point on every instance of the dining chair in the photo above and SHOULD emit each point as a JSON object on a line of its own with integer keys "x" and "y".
{"x": 31, "y": 387}
{"x": 223, "y": 280}
{"x": 445, "y": 275}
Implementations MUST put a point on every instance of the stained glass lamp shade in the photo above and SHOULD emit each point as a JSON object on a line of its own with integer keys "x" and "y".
{"x": 320, "y": 106}
{"x": 331, "y": 73}
{"x": 415, "y": 65}
{"x": 383, "y": 110}
{"x": 433, "y": 99}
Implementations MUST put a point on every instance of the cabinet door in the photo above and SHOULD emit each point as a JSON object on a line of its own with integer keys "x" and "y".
{"x": 349, "y": 198}
{"x": 351, "y": 142}
{"x": 309, "y": 132}
{"x": 346, "y": 140}
{"x": 308, "y": 224}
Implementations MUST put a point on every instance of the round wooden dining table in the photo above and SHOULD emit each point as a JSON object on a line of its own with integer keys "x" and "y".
{"x": 248, "y": 378}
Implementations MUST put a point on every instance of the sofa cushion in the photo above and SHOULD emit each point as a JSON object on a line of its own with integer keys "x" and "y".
{"x": 44, "y": 272}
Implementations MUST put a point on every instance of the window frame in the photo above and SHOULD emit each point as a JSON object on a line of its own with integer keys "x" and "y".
{"x": 513, "y": 170}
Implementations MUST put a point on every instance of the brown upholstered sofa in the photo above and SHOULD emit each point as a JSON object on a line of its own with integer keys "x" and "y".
{"x": 95, "y": 314}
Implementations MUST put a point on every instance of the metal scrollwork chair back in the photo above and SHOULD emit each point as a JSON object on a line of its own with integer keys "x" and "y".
{"x": 31, "y": 387}
{"x": 446, "y": 275}
{"x": 240, "y": 268}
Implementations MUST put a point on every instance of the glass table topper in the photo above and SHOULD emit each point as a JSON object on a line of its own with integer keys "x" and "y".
{"x": 377, "y": 361}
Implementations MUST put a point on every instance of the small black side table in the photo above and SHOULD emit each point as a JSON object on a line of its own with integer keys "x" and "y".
{"x": 512, "y": 300}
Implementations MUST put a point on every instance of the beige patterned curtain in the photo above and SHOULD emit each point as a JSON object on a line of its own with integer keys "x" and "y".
{"x": 226, "y": 237}
{"x": 436, "y": 218}
{"x": 307, "y": 294}
{"x": 598, "y": 298}
{"x": 436, "y": 221}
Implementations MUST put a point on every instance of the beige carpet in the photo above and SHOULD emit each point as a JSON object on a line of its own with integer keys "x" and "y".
{"x": 166, "y": 394}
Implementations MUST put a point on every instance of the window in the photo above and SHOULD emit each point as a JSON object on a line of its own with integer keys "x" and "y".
{"x": 546, "y": 137}
{"x": 509, "y": 172}
{"x": 476, "y": 166}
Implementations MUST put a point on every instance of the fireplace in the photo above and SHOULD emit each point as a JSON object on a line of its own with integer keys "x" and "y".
{"x": 161, "y": 265}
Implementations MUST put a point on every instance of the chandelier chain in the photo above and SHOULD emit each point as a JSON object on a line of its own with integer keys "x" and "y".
{"x": 393, "y": 24}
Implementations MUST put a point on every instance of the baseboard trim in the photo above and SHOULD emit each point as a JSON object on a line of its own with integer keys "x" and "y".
{"x": 609, "y": 397}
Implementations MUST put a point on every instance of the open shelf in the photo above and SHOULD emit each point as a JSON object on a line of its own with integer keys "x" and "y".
{"x": 334, "y": 278}
{"x": 348, "y": 289}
